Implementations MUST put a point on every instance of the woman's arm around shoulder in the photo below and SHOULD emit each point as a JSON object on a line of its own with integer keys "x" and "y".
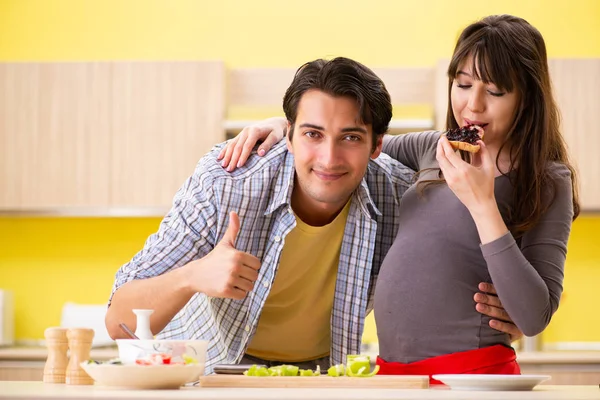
{"x": 411, "y": 148}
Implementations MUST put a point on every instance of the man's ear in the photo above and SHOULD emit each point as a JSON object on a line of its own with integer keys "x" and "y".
{"x": 378, "y": 147}
{"x": 288, "y": 140}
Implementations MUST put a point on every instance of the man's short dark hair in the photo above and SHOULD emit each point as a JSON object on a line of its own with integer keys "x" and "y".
{"x": 342, "y": 77}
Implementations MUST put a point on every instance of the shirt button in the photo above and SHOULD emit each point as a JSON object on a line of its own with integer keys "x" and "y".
{"x": 266, "y": 284}
{"x": 290, "y": 210}
{"x": 277, "y": 239}
{"x": 247, "y": 328}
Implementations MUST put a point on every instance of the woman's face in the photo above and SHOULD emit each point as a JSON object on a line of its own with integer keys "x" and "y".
{"x": 474, "y": 102}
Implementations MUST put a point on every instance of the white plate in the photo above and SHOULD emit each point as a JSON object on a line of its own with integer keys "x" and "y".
{"x": 491, "y": 382}
{"x": 143, "y": 376}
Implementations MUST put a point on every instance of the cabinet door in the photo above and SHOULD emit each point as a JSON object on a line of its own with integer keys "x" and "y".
{"x": 166, "y": 116}
{"x": 577, "y": 87}
{"x": 54, "y": 135}
{"x": 104, "y": 136}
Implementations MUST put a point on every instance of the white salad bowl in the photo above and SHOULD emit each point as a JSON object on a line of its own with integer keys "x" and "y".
{"x": 143, "y": 376}
{"x": 131, "y": 350}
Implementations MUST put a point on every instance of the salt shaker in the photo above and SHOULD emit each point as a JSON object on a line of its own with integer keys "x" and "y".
{"x": 80, "y": 344}
{"x": 56, "y": 364}
{"x": 142, "y": 325}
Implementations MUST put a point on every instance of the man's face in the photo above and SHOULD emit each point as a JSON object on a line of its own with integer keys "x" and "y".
{"x": 331, "y": 150}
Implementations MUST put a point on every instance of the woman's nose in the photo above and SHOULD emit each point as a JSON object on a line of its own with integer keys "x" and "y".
{"x": 476, "y": 101}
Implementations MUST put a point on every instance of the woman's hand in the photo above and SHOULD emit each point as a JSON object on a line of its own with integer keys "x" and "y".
{"x": 473, "y": 184}
{"x": 237, "y": 150}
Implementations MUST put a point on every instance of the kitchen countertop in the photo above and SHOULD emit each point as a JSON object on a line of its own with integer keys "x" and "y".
{"x": 40, "y": 390}
{"x": 32, "y": 353}
{"x": 38, "y": 353}
{"x": 559, "y": 357}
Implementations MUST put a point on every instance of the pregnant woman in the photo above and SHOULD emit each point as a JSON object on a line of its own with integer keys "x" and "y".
{"x": 502, "y": 215}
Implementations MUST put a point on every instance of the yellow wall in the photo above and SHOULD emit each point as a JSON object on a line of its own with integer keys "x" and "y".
{"x": 275, "y": 32}
{"x": 50, "y": 261}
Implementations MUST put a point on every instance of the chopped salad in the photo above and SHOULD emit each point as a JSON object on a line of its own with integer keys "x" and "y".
{"x": 153, "y": 359}
{"x": 357, "y": 366}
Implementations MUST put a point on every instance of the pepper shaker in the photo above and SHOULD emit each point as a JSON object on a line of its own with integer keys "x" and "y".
{"x": 56, "y": 364}
{"x": 80, "y": 344}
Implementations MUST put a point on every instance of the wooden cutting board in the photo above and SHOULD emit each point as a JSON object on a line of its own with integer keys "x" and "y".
{"x": 379, "y": 381}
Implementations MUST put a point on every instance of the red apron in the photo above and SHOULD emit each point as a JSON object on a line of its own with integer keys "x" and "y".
{"x": 496, "y": 359}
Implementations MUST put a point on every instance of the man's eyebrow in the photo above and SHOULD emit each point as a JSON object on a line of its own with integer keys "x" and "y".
{"x": 355, "y": 129}
{"x": 313, "y": 126}
{"x": 344, "y": 130}
{"x": 460, "y": 72}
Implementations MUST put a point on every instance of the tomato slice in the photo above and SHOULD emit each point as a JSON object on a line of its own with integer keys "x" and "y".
{"x": 166, "y": 358}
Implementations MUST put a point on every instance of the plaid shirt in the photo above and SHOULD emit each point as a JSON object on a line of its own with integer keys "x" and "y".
{"x": 261, "y": 193}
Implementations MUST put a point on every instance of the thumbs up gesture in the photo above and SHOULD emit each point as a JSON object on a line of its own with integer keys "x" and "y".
{"x": 226, "y": 272}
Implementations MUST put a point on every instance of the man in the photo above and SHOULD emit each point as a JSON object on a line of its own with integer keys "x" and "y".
{"x": 276, "y": 262}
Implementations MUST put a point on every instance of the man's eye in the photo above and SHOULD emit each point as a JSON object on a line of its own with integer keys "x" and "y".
{"x": 311, "y": 134}
{"x": 352, "y": 138}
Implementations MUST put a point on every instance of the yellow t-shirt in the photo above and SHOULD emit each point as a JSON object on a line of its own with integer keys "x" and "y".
{"x": 294, "y": 325}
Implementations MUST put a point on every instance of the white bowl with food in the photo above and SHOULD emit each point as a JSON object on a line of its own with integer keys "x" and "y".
{"x": 162, "y": 352}
{"x": 143, "y": 377}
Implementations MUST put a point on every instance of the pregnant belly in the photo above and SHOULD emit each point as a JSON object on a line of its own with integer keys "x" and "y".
{"x": 424, "y": 303}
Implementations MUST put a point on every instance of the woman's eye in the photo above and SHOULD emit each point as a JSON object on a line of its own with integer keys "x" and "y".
{"x": 462, "y": 86}
{"x": 496, "y": 94}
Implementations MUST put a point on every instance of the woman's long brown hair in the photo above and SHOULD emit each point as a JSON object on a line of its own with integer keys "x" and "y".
{"x": 510, "y": 53}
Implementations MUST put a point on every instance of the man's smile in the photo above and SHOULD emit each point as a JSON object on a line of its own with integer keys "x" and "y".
{"x": 328, "y": 176}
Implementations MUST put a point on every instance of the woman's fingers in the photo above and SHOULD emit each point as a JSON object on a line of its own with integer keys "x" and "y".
{"x": 451, "y": 155}
{"x": 269, "y": 142}
{"x": 230, "y": 147}
{"x": 241, "y": 147}
{"x": 255, "y": 134}
{"x": 441, "y": 157}
{"x": 238, "y": 149}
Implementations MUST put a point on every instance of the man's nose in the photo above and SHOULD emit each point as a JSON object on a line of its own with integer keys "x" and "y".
{"x": 329, "y": 153}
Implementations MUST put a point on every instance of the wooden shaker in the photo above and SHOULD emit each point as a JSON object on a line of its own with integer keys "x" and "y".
{"x": 56, "y": 364}
{"x": 80, "y": 344}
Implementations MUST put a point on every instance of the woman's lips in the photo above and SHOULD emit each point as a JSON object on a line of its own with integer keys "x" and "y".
{"x": 474, "y": 122}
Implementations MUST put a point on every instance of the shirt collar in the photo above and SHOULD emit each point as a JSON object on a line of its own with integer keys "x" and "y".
{"x": 284, "y": 184}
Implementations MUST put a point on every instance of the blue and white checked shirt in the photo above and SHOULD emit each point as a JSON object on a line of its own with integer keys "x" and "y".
{"x": 261, "y": 193}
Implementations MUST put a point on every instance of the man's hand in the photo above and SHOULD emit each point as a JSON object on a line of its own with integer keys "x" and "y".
{"x": 489, "y": 304}
{"x": 225, "y": 271}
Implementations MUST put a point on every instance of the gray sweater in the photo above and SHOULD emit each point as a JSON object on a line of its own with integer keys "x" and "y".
{"x": 424, "y": 303}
